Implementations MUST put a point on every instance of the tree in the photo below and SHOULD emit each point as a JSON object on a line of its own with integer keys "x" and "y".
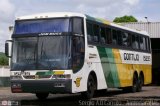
{"x": 3, "y": 59}
{"x": 125, "y": 19}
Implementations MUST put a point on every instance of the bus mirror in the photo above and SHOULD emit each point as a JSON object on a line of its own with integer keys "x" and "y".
{"x": 7, "y": 49}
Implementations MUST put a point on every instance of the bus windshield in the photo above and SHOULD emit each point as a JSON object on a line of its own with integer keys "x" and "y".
{"x": 48, "y": 44}
{"x": 49, "y": 52}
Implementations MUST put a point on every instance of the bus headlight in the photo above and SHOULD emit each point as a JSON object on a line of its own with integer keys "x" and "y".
{"x": 66, "y": 76}
{"x": 16, "y": 77}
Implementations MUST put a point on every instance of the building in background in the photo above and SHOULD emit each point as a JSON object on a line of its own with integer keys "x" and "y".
{"x": 4, "y": 76}
{"x": 153, "y": 28}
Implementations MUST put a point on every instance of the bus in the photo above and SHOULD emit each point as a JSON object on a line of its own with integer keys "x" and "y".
{"x": 65, "y": 52}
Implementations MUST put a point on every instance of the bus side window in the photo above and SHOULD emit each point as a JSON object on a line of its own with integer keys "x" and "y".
{"x": 103, "y": 35}
{"x": 89, "y": 32}
{"x": 114, "y": 37}
{"x": 135, "y": 42}
{"x": 124, "y": 38}
{"x": 119, "y": 34}
{"x": 109, "y": 35}
{"x": 141, "y": 43}
{"x": 148, "y": 44}
{"x": 129, "y": 40}
{"x": 96, "y": 33}
{"x": 144, "y": 44}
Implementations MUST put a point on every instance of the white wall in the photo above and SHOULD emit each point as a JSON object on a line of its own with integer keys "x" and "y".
{"x": 153, "y": 28}
{"x": 4, "y": 72}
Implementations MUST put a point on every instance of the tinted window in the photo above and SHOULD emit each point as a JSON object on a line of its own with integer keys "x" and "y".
{"x": 78, "y": 25}
{"x": 89, "y": 32}
{"x": 147, "y": 44}
{"x": 119, "y": 34}
{"x": 135, "y": 42}
{"x": 103, "y": 35}
{"x": 43, "y": 26}
{"x": 96, "y": 33}
{"x": 114, "y": 37}
{"x": 109, "y": 35}
{"x": 78, "y": 50}
{"x": 143, "y": 43}
{"x": 126, "y": 39}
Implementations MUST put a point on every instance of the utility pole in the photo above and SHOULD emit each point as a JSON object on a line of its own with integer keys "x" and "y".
{"x": 148, "y": 25}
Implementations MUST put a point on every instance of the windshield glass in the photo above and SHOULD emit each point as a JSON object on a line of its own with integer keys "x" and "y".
{"x": 54, "y": 52}
{"x": 49, "y": 52}
{"x": 24, "y": 53}
{"x": 42, "y": 26}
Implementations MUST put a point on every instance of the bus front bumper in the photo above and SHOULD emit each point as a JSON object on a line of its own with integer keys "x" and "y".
{"x": 42, "y": 86}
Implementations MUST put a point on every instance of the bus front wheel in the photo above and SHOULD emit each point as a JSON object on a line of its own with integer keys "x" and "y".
{"x": 91, "y": 87}
{"x": 42, "y": 96}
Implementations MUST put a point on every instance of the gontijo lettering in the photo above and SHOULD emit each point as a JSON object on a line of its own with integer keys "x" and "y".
{"x": 131, "y": 56}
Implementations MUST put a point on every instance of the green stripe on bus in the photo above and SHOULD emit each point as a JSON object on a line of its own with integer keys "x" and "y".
{"x": 44, "y": 73}
{"x": 109, "y": 67}
{"x": 113, "y": 67}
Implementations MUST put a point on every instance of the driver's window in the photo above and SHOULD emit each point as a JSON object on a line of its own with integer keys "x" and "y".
{"x": 78, "y": 26}
{"x": 78, "y": 49}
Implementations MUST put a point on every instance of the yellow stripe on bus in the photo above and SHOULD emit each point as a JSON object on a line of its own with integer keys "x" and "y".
{"x": 125, "y": 71}
{"x": 58, "y": 72}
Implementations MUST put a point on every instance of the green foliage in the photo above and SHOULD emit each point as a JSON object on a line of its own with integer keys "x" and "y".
{"x": 3, "y": 59}
{"x": 125, "y": 19}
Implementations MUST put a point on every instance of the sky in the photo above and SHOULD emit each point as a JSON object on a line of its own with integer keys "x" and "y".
{"x": 107, "y": 9}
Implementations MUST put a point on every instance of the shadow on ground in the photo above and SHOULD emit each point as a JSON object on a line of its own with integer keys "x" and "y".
{"x": 101, "y": 98}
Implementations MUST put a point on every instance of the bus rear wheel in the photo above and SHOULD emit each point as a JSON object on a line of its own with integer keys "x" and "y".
{"x": 42, "y": 96}
{"x": 140, "y": 83}
{"x": 91, "y": 87}
{"x": 135, "y": 84}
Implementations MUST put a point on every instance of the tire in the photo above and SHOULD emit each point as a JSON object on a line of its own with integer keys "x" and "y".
{"x": 140, "y": 83}
{"x": 135, "y": 84}
{"x": 91, "y": 87}
{"x": 42, "y": 96}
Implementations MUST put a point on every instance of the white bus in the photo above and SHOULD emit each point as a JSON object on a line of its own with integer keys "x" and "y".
{"x": 70, "y": 53}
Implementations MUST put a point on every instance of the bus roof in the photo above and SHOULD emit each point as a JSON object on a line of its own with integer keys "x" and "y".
{"x": 71, "y": 14}
{"x": 51, "y": 15}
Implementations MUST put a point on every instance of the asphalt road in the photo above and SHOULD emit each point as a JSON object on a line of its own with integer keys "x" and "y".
{"x": 149, "y": 96}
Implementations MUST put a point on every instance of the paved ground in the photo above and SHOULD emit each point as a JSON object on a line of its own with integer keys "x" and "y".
{"x": 150, "y": 96}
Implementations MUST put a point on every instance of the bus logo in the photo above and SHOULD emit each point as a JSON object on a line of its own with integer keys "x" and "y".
{"x": 77, "y": 82}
